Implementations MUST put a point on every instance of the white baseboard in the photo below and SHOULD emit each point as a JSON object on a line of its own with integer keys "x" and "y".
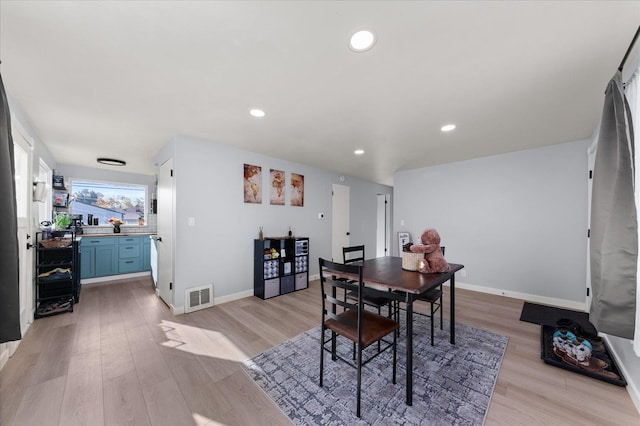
{"x": 179, "y": 310}
{"x": 561, "y": 303}
{"x": 114, "y": 277}
{"x": 4, "y": 356}
{"x": 632, "y": 388}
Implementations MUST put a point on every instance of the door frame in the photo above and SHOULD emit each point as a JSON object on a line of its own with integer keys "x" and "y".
{"x": 25, "y": 234}
{"x": 340, "y": 220}
{"x": 165, "y": 231}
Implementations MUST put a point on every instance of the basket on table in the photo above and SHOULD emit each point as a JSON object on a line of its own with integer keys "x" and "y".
{"x": 411, "y": 261}
{"x": 55, "y": 242}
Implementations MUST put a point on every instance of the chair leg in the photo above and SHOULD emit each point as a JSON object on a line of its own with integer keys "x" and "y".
{"x": 441, "y": 312}
{"x": 432, "y": 319}
{"x": 333, "y": 346}
{"x": 395, "y": 345}
{"x": 321, "y": 355}
{"x": 359, "y": 364}
{"x": 379, "y": 313}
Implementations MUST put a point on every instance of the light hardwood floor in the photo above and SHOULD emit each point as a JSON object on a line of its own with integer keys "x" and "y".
{"x": 122, "y": 359}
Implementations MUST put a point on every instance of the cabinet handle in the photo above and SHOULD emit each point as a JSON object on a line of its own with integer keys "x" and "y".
{"x": 130, "y": 261}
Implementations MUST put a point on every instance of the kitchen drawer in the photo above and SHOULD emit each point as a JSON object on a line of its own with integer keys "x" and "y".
{"x": 125, "y": 252}
{"x": 128, "y": 241}
{"x": 95, "y": 241}
{"x": 126, "y": 266}
{"x": 271, "y": 288}
{"x": 301, "y": 281}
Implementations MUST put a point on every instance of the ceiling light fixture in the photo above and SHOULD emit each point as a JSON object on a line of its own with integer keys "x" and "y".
{"x": 361, "y": 41}
{"x": 358, "y": 151}
{"x": 257, "y": 112}
{"x": 111, "y": 162}
{"x": 447, "y": 127}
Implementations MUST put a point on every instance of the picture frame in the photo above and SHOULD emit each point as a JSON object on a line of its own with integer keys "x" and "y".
{"x": 297, "y": 190}
{"x": 58, "y": 182}
{"x": 277, "y": 179}
{"x": 252, "y": 183}
{"x": 60, "y": 198}
{"x": 403, "y": 238}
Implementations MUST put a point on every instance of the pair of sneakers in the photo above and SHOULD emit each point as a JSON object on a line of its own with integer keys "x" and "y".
{"x": 572, "y": 346}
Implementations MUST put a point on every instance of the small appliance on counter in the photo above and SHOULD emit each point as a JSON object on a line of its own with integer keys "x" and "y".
{"x": 76, "y": 223}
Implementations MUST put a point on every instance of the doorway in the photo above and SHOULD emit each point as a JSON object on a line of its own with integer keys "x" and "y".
{"x": 340, "y": 224}
{"x": 23, "y": 154}
{"x": 382, "y": 225}
{"x": 165, "y": 232}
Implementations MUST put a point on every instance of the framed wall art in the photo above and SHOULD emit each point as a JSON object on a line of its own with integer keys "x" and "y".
{"x": 252, "y": 184}
{"x": 297, "y": 190}
{"x": 277, "y": 187}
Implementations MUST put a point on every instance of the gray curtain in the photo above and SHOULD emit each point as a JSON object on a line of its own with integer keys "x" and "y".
{"x": 614, "y": 228}
{"x": 9, "y": 282}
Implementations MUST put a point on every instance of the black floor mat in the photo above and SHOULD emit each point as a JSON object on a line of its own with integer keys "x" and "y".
{"x": 548, "y": 315}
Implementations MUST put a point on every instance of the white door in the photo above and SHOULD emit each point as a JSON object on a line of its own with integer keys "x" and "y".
{"x": 165, "y": 232}
{"x": 24, "y": 182}
{"x": 340, "y": 224}
{"x": 382, "y": 226}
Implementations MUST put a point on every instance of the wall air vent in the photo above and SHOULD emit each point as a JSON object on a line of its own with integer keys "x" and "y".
{"x": 197, "y": 298}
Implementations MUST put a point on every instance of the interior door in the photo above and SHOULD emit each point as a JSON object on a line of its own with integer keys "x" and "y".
{"x": 382, "y": 226}
{"x": 165, "y": 232}
{"x": 24, "y": 182}
{"x": 340, "y": 224}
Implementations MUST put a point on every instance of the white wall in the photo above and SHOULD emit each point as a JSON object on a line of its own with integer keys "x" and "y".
{"x": 218, "y": 250}
{"x": 517, "y": 221}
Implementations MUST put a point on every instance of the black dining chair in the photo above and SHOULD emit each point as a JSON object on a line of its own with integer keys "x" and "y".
{"x": 434, "y": 298}
{"x": 355, "y": 254}
{"x": 356, "y": 324}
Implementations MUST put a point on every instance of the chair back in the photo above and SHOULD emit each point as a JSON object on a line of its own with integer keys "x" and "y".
{"x": 353, "y": 254}
{"x": 329, "y": 285}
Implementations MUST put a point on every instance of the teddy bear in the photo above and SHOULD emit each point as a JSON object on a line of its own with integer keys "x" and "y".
{"x": 434, "y": 260}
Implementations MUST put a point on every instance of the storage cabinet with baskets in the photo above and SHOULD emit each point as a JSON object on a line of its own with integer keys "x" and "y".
{"x": 281, "y": 265}
{"x": 56, "y": 277}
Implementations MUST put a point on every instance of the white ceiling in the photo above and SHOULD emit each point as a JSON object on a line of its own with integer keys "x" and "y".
{"x": 119, "y": 79}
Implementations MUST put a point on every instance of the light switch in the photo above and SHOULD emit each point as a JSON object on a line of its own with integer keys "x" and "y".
{"x": 401, "y": 222}
{"x": 192, "y": 221}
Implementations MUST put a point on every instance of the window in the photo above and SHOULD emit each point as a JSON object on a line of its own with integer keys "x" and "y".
{"x": 106, "y": 200}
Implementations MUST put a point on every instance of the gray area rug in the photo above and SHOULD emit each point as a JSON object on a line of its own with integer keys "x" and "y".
{"x": 452, "y": 384}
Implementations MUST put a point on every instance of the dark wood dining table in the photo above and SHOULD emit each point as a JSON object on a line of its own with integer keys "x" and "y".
{"x": 387, "y": 272}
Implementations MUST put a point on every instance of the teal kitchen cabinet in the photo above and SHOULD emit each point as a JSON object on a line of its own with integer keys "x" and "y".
{"x": 97, "y": 257}
{"x": 105, "y": 256}
{"x": 129, "y": 255}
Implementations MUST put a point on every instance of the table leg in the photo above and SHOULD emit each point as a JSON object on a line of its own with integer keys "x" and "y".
{"x": 409, "y": 349}
{"x": 452, "y": 314}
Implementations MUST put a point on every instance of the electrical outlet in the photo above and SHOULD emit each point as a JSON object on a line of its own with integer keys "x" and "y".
{"x": 463, "y": 273}
{"x": 192, "y": 221}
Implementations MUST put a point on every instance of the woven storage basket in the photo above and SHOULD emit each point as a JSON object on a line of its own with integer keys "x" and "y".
{"x": 411, "y": 261}
{"x": 56, "y": 242}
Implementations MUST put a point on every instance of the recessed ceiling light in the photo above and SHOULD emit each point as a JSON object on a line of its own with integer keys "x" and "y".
{"x": 358, "y": 151}
{"x": 257, "y": 112}
{"x": 447, "y": 127}
{"x": 361, "y": 41}
{"x": 111, "y": 161}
